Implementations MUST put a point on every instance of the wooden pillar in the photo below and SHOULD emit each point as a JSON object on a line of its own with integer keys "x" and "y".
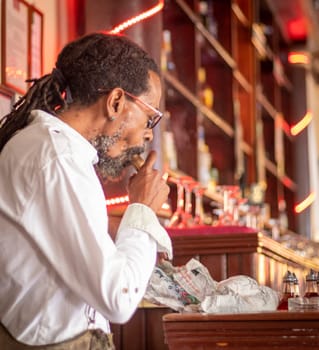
{"x": 301, "y": 161}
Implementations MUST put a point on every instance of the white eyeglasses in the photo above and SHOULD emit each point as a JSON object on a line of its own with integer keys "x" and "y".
{"x": 154, "y": 120}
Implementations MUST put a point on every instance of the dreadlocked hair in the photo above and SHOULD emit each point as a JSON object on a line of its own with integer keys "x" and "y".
{"x": 45, "y": 94}
{"x": 86, "y": 68}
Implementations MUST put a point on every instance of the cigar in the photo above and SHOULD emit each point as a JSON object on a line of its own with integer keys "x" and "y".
{"x": 137, "y": 161}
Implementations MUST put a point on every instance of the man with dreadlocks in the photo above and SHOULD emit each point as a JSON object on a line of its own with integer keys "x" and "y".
{"x": 62, "y": 277}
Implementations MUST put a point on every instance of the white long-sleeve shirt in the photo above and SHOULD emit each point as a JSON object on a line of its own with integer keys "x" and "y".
{"x": 58, "y": 265}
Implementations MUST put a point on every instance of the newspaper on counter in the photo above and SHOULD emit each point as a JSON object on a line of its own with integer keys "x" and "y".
{"x": 195, "y": 279}
{"x": 191, "y": 288}
{"x": 162, "y": 289}
{"x": 240, "y": 294}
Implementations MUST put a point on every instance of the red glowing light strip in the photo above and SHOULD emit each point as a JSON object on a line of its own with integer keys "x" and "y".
{"x": 281, "y": 122}
{"x": 303, "y": 123}
{"x": 117, "y": 200}
{"x": 305, "y": 203}
{"x": 133, "y": 20}
{"x": 125, "y": 199}
{"x": 287, "y": 182}
{"x": 298, "y": 58}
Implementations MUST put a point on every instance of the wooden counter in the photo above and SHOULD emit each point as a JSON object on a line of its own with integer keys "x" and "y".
{"x": 263, "y": 331}
{"x": 233, "y": 250}
{"x": 225, "y": 251}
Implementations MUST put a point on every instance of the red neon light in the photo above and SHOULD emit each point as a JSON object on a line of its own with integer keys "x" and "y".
{"x": 117, "y": 200}
{"x": 281, "y": 123}
{"x": 138, "y": 18}
{"x": 302, "y": 124}
{"x": 297, "y": 29}
{"x": 298, "y": 58}
{"x": 305, "y": 203}
{"x": 125, "y": 200}
{"x": 287, "y": 182}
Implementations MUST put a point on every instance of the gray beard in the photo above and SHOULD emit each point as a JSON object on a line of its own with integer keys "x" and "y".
{"x": 111, "y": 168}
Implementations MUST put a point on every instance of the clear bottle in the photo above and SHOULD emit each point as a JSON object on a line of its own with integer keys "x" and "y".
{"x": 169, "y": 145}
{"x": 311, "y": 285}
{"x": 296, "y": 284}
{"x": 206, "y": 14}
{"x": 168, "y": 62}
{"x": 205, "y": 10}
{"x": 204, "y": 158}
{"x": 288, "y": 291}
{"x": 214, "y": 179}
{"x": 283, "y": 218}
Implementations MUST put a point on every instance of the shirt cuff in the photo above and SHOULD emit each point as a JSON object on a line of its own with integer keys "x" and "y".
{"x": 141, "y": 217}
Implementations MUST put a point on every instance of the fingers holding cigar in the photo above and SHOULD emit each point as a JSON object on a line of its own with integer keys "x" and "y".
{"x": 138, "y": 161}
{"x": 165, "y": 176}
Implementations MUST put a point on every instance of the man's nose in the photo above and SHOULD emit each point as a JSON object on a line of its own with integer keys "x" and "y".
{"x": 148, "y": 136}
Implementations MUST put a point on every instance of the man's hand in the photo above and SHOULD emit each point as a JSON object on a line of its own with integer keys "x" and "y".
{"x": 148, "y": 186}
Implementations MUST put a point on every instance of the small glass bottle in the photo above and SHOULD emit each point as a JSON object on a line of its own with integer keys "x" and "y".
{"x": 206, "y": 13}
{"x": 311, "y": 285}
{"x": 288, "y": 291}
{"x": 283, "y": 218}
{"x": 205, "y": 92}
{"x": 296, "y": 284}
{"x": 169, "y": 144}
{"x": 168, "y": 63}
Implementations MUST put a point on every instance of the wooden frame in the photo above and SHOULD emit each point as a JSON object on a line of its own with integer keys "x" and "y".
{"x": 21, "y": 42}
{"x": 36, "y": 43}
{"x": 6, "y": 101}
{"x": 15, "y": 44}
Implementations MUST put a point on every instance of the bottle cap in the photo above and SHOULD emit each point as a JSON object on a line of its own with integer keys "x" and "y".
{"x": 311, "y": 276}
{"x": 288, "y": 277}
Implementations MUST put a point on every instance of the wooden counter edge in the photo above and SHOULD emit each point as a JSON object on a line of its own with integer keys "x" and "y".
{"x": 254, "y": 316}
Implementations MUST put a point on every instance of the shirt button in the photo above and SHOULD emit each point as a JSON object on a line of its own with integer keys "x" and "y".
{"x": 136, "y": 290}
{"x": 124, "y": 290}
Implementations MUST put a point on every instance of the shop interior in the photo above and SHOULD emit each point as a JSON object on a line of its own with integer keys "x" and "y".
{"x": 239, "y": 138}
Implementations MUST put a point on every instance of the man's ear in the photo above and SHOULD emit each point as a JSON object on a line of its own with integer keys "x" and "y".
{"x": 115, "y": 101}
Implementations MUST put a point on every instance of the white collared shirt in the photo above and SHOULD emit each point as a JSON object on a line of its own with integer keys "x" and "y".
{"x": 58, "y": 264}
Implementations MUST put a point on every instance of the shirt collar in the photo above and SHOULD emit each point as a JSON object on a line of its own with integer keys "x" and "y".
{"x": 83, "y": 146}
